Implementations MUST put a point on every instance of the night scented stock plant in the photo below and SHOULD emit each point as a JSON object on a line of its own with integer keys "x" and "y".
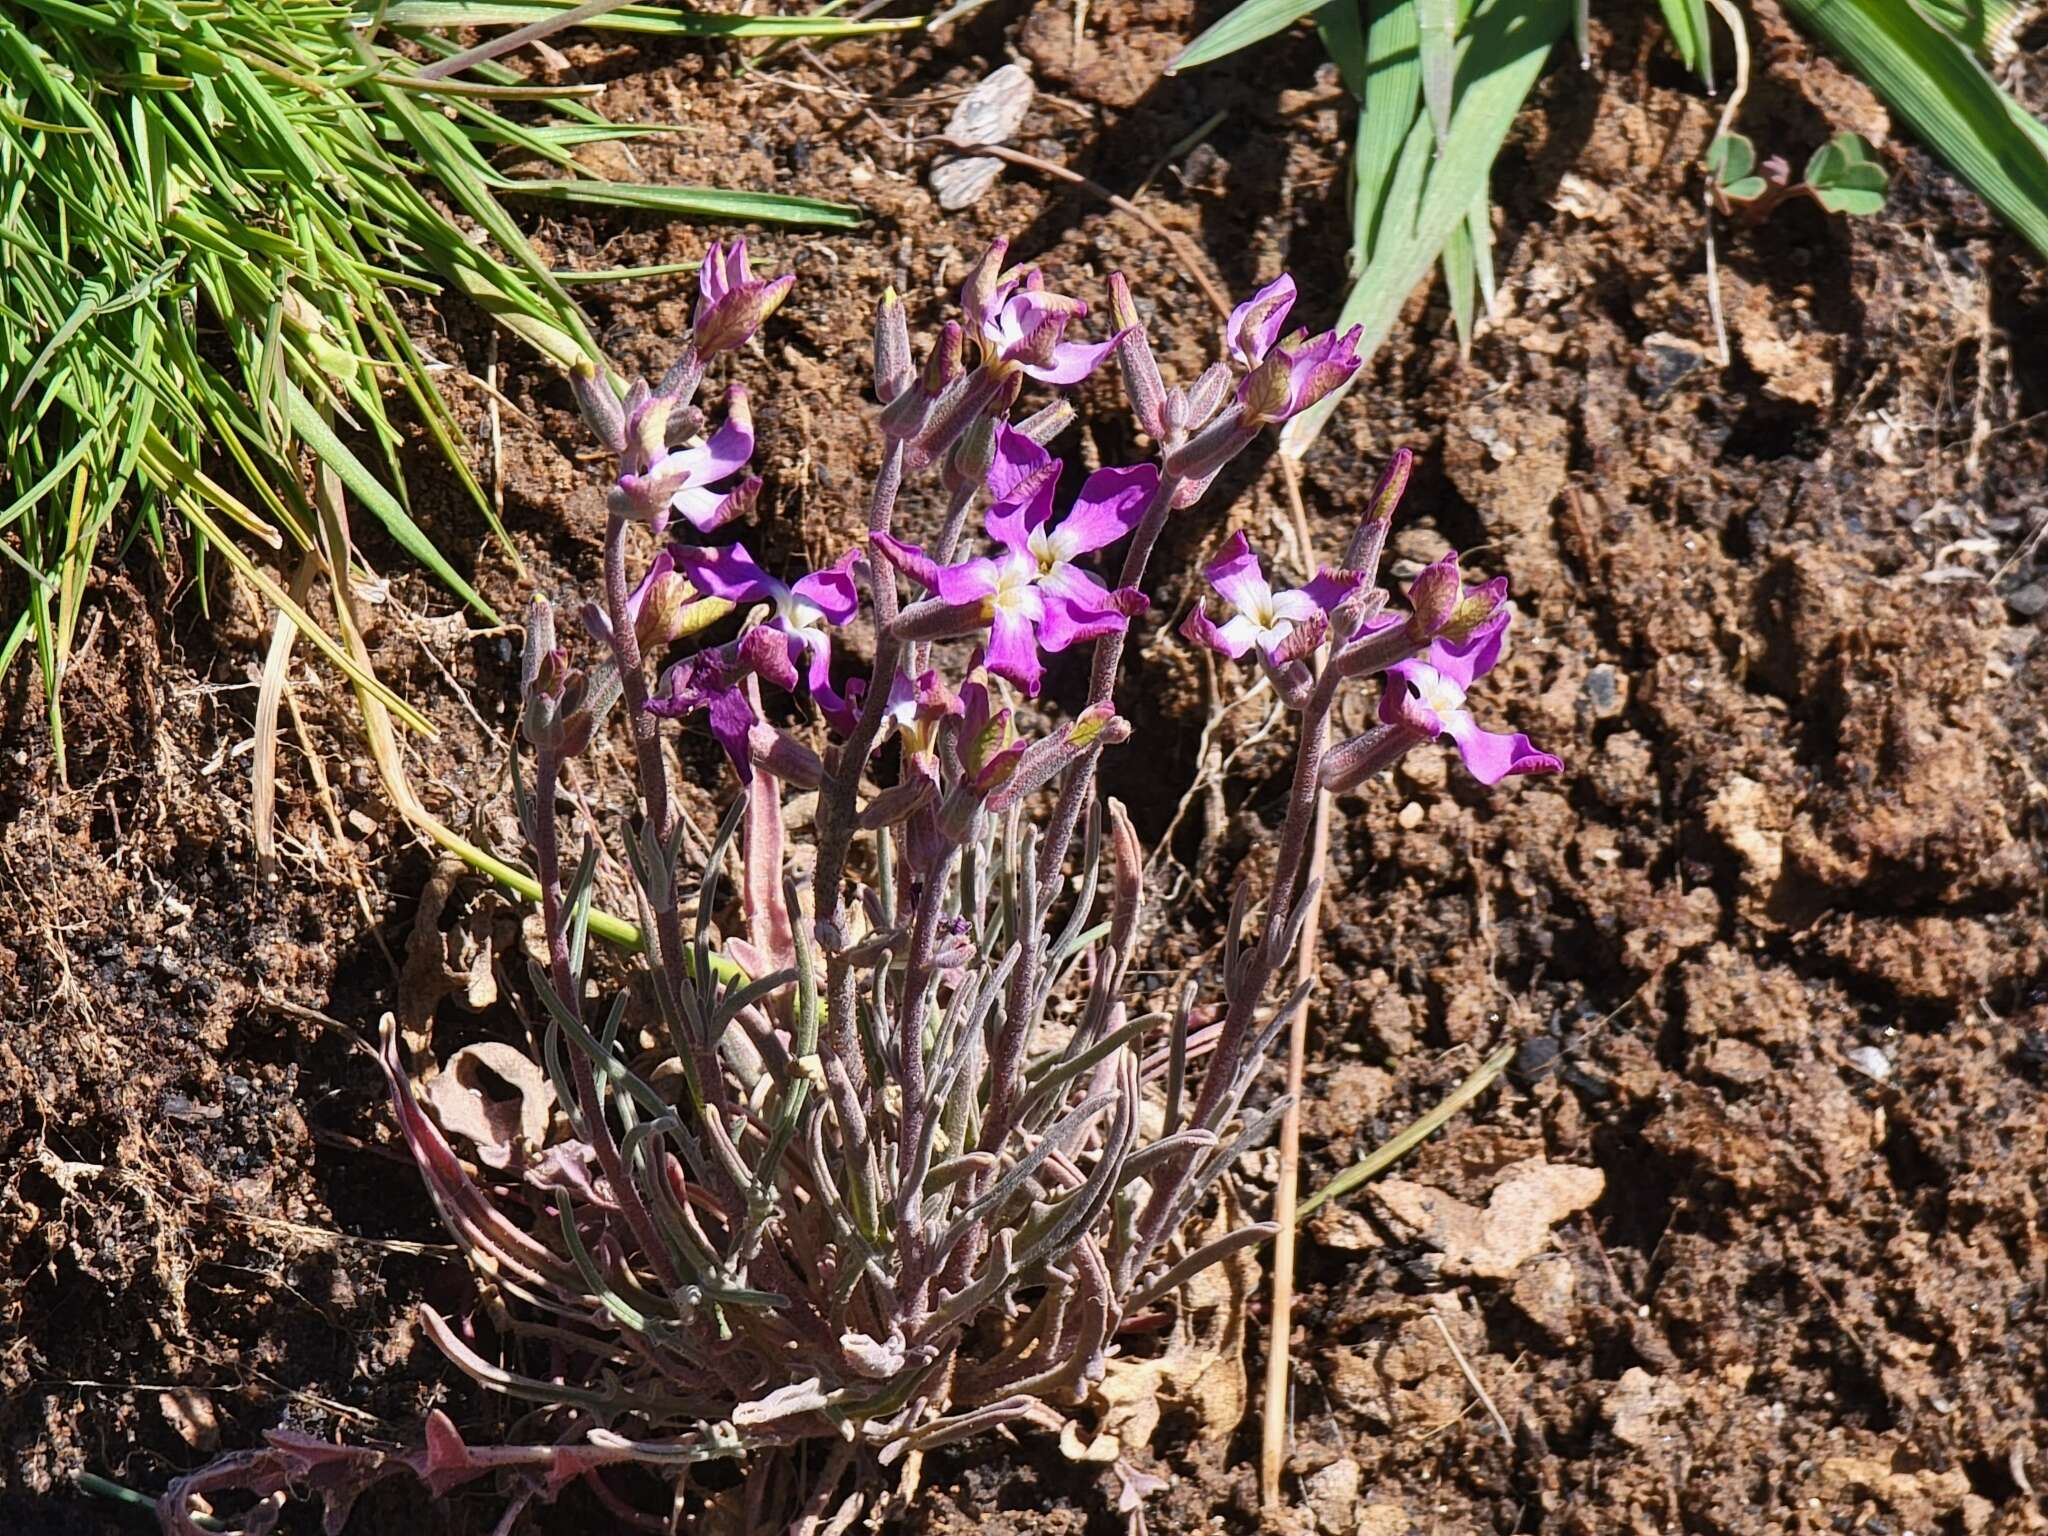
{"x": 855, "y": 1192}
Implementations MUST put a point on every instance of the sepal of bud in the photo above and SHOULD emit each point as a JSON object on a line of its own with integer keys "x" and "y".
{"x": 1049, "y": 756}
{"x": 1201, "y": 456}
{"x": 894, "y": 368}
{"x": 1350, "y": 763}
{"x": 978, "y": 293}
{"x": 1479, "y": 607}
{"x": 782, "y": 756}
{"x": 1207, "y": 394}
{"x": 1142, "y": 383}
{"x": 1433, "y": 597}
{"x": 599, "y": 403}
{"x": 972, "y": 455}
{"x": 1048, "y": 422}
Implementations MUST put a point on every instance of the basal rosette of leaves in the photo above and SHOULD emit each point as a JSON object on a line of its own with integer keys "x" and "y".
{"x": 894, "y": 1152}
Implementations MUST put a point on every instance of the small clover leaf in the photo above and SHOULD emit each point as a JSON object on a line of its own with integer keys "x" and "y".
{"x": 1844, "y": 176}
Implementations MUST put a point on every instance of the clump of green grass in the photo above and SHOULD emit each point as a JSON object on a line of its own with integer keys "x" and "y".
{"x": 208, "y": 212}
{"x": 1439, "y": 83}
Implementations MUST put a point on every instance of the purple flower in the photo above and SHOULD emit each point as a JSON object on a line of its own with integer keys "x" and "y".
{"x": 1425, "y": 698}
{"x": 705, "y": 682}
{"x": 656, "y": 480}
{"x": 918, "y": 708}
{"x": 806, "y": 611}
{"x": 1020, "y": 325}
{"x": 1297, "y": 372}
{"x": 731, "y": 301}
{"x": 1264, "y": 618}
{"x": 1255, "y": 324}
{"x": 1031, "y": 595}
{"x": 1111, "y": 502}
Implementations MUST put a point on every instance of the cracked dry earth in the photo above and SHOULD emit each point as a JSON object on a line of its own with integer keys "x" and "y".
{"x": 1751, "y": 1237}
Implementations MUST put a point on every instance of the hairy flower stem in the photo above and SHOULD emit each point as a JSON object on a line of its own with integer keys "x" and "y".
{"x": 1263, "y": 959}
{"x": 653, "y": 775}
{"x": 1079, "y": 782}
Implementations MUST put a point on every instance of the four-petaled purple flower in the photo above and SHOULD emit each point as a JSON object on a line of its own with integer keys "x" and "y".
{"x": 1425, "y": 698}
{"x": 1033, "y": 595}
{"x": 806, "y": 611}
{"x": 1267, "y": 619}
{"x": 697, "y": 480}
{"x": 1021, "y": 325}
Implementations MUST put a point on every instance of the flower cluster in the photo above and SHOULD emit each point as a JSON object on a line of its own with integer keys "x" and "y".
{"x": 827, "y": 1173}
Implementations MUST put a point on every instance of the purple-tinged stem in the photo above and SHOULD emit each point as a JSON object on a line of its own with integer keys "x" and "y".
{"x": 547, "y": 854}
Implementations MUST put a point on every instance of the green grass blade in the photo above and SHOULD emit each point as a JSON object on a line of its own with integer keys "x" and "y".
{"x": 647, "y": 20}
{"x": 1504, "y": 50}
{"x": 1687, "y": 21}
{"x": 1343, "y": 33}
{"x": 333, "y": 452}
{"x": 1933, "y": 82}
{"x": 1393, "y": 89}
{"x": 1249, "y": 23}
{"x": 693, "y": 202}
{"x": 1438, "y": 20}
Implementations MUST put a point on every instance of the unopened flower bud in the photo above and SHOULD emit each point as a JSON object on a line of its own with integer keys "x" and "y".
{"x": 1475, "y": 610}
{"x": 1433, "y": 597}
{"x": 894, "y": 367}
{"x": 1174, "y": 416}
{"x": 599, "y": 403}
{"x": 1207, "y": 394}
{"x": 1349, "y": 764}
{"x": 972, "y": 455}
{"x": 782, "y": 756}
{"x": 1370, "y": 539}
{"x": 943, "y": 366}
{"x": 1127, "y": 877}
{"x": 1201, "y": 456}
{"x": 978, "y": 294}
{"x": 540, "y": 640}
{"x": 1048, "y": 422}
{"x": 1142, "y": 384}
{"x": 732, "y": 303}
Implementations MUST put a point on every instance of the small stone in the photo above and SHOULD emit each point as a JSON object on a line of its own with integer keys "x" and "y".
{"x": 1738, "y": 1062}
{"x": 1410, "y": 816}
{"x": 1547, "y": 1290}
{"x": 1605, "y": 694}
{"x": 2030, "y": 601}
{"x": 1870, "y": 1061}
{"x": 1536, "y": 1058}
{"x": 1332, "y": 1494}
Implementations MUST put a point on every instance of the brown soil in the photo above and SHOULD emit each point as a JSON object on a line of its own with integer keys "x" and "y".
{"x": 1801, "y": 841}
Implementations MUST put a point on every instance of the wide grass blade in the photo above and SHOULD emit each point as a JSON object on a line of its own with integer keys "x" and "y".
{"x": 1431, "y": 195}
{"x": 1933, "y": 82}
{"x": 1251, "y": 22}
